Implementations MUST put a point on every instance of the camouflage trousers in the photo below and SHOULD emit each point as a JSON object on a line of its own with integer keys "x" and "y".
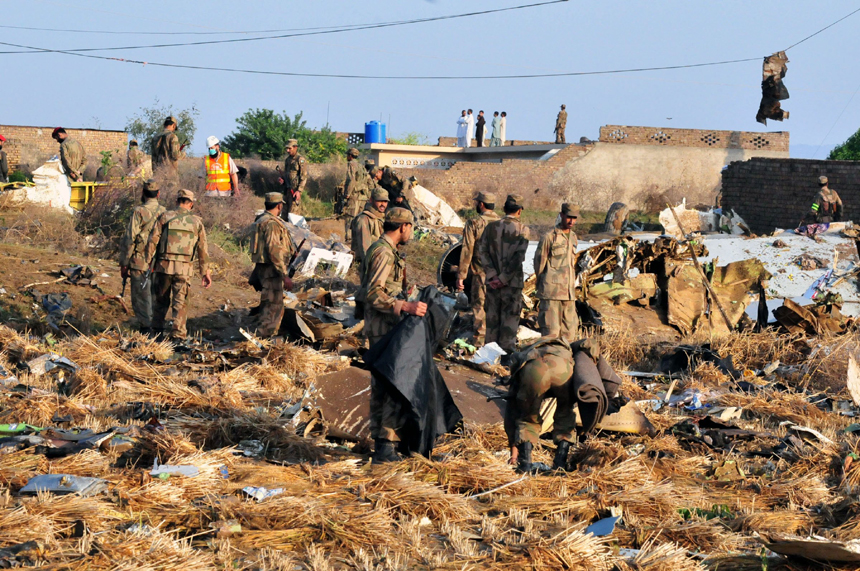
{"x": 170, "y": 292}
{"x": 558, "y": 318}
{"x": 271, "y": 300}
{"x": 141, "y": 298}
{"x": 503, "y": 308}
{"x": 559, "y": 137}
{"x": 543, "y": 377}
{"x": 377, "y": 324}
{"x": 347, "y": 223}
{"x": 385, "y": 412}
{"x": 478, "y": 296}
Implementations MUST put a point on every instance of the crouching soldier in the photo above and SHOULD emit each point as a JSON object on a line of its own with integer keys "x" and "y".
{"x": 572, "y": 374}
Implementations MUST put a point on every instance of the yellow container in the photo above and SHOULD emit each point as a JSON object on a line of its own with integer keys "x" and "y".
{"x": 82, "y": 193}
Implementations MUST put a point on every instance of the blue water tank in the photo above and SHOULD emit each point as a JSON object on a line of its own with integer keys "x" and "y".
{"x": 374, "y": 132}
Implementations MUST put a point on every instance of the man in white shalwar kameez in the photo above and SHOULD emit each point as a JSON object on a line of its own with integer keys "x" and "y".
{"x": 462, "y": 129}
{"x": 504, "y": 126}
{"x": 470, "y": 123}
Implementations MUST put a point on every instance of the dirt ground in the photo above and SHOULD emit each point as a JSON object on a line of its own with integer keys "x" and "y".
{"x": 217, "y": 312}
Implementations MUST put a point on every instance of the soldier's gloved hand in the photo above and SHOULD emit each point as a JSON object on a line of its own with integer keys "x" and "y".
{"x": 123, "y": 272}
{"x": 417, "y": 308}
{"x": 288, "y": 283}
{"x": 460, "y": 286}
{"x": 590, "y": 346}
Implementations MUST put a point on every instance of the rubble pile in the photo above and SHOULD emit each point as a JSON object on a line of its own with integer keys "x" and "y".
{"x": 117, "y": 448}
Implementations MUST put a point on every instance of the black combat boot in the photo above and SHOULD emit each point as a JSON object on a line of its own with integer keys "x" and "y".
{"x": 561, "y": 451}
{"x": 524, "y": 459}
{"x": 384, "y": 451}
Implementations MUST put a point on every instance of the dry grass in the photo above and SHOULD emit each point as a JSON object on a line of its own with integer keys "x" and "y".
{"x": 337, "y": 512}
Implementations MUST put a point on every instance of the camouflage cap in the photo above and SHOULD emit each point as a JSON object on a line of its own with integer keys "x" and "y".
{"x": 274, "y": 197}
{"x": 515, "y": 199}
{"x": 132, "y": 143}
{"x": 562, "y": 106}
{"x": 151, "y": 185}
{"x": 185, "y": 193}
{"x": 379, "y": 193}
{"x": 353, "y": 152}
{"x": 822, "y": 180}
{"x": 570, "y": 210}
{"x": 373, "y": 171}
{"x": 369, "y": 163}
{"x": 292, "y": 143}
{"x": 486, "y": 198}
{"x": 172, "y": 119}
{"x": 398, "y": 216}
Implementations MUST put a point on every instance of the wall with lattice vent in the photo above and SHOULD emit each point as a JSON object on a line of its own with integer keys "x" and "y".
{"x": 666, "y": 137}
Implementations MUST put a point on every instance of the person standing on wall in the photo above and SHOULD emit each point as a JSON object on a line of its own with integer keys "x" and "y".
{"x": 479, "y": 129}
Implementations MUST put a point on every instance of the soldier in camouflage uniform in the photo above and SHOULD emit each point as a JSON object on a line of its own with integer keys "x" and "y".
{"x": 72, "y": 155}
{"x": 134, "y": 158}
{"x": 827, "y": 206}
{"x": 353, "y": 188}
{"x": 502, "y": 249}
{"x": 296, "y": 173}
{"x": 271, "y": 249}
{"x": 560, "y": 126}
{"x": 177, "y": 240}
{"x": 132, "y": 253}
{"x": 367, "y": 227}
{"x": 382, "y": 279}
{"x": 541, "y": 371}
{"x": 555, "y": 268}
{"x": 470, "y": 261}
{"x": 166, "y": 152}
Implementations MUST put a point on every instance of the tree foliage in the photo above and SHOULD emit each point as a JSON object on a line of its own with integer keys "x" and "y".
{"x": 264, "y": 133}
{"x": 411, "y": 138}
{"x": 847, "y": 151}
{"x": 148, "y": 124}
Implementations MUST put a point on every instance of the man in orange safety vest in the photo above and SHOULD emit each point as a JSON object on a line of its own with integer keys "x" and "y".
{"x": 222, "y": 175}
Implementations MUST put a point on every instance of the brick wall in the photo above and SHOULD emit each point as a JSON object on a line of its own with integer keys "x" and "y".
{"x": 777, "y": 193}
{"x": 663, "y": 136}
{"x": 452, "y": 142}
{"x": 36, "y": 144}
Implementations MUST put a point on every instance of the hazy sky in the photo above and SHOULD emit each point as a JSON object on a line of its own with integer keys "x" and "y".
{"x": 49, "y": 89}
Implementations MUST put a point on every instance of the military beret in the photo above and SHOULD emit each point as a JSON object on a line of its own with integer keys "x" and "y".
{"x": 353, "y": 152}
{"x": 151, "y": 185}
{"x": 486, "y": 198}
{"x": 132, "y": 143}
{"x": 398, "y": 216}
{"x": 379, "y": 193}
{"x": 822, "y": 180}
{"x": 274, "y": 197}
{"x": 369, "y": 163}
{"x": 515, "y": 199}
{"x": 292, "y": 143}
{"x": 57, "y": 130}
{"x": 172, "y": 119}
{"x": 570, "y": 210}
{"x": 185, "y": 193}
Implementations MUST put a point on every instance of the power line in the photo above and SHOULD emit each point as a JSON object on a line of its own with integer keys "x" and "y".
{"x": 133, "y": 33}
{"x": 822, "y": 29}
{"x": 33, "y": 49}
{"x": 350, "y": 76}
{"x": 333, "y": 30}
